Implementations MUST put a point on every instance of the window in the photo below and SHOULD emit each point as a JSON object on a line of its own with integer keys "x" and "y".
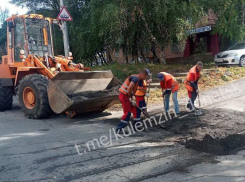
{"x": 19, "y": 38}
{"x": 146, "y": 50}
{"x": 175, "y": 48}
{"x": 39, "y": 38}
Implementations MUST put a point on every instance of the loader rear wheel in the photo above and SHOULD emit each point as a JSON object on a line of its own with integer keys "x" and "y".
{"x": 33, "y": 96}
{"x": 6, "y": 98}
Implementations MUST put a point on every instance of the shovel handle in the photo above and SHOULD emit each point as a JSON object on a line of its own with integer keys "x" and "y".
{"x": 148, "y": 91}
{"x": 144, "y": 112}
{"x": 199, "y": 100}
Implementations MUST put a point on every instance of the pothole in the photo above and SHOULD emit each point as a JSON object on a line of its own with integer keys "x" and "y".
{"x": 218, "y": 146}
{"x": 218, "y": 132}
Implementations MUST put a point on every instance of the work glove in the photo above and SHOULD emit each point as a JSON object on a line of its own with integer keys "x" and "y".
{"x": 147, "y": 94}
{"x": 79, "y": 66}
{"x": 149, "y": 81}
{"x": 133, "y": 103}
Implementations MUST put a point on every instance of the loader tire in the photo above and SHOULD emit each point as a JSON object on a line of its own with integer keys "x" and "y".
{"x": 33, "y": 96}
{"x": 6, "y": 98}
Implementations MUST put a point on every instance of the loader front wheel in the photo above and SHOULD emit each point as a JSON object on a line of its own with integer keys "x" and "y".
{"x": 6, "y": 98}
{"x": 33, "y": 96}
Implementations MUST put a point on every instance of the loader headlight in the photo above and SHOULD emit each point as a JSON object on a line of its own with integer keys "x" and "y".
{"x": 70, "y": 54}
{"x": 22, "y": 52}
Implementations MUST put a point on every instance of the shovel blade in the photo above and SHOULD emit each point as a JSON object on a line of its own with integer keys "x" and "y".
{"x": 199, "y": 112}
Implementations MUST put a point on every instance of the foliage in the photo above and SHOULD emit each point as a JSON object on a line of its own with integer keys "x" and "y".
{"x": 34, "y": 5}
{"x": 3, "y": 15}
{"x": 231, "y": 18}
{"x": 3, "y": 29}
{"x": 99, "y": 26}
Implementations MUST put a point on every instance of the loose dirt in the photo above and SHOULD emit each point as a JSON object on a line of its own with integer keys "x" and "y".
{"x": 218, "y": 131}
{"x": 80, "y": 96}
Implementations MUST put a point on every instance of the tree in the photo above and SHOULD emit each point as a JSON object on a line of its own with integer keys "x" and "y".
{"x": 230, "y": 14}
{"x": 99, "y": 26}
{"x": 3, "y": 31}
{"x": 3, "y": 15}
{"x": 38, "y": 5}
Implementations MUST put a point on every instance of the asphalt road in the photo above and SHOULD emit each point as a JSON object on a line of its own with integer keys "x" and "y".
{"x": 44, "y": 150}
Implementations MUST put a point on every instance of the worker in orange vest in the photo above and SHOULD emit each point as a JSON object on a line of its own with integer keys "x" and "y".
{"x": 169, "y": 85}
{"x": 191, "y": 84}
{"x": 127, "y": 91}
{"x": 140, "y": 95}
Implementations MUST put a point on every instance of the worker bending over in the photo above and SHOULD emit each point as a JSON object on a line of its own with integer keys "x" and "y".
{"x": 169, "y": 85}
{"x": 140, "y": 95}
{"x": 191, "y": 84}
{"x": 127, "y": 91}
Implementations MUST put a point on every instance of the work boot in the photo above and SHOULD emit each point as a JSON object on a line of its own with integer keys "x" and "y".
{"x": 189, "y": 106}
{"x": 121, "y": 132}
{"x": 177, "y": 115}
{"x": 138, "y": 127}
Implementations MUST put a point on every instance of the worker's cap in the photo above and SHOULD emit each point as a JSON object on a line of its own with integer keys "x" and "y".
{"x": 148, "y": 72}
{"x": 200, "y": 64}
{"x": 160, "y": 76}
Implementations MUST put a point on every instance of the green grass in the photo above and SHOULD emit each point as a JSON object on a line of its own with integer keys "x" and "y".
{"x": 122, "y": 71}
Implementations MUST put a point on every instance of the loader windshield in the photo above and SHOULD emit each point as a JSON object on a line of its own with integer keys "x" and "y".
{"x": 19, "y": 38}
{"x": 39, "y": 36}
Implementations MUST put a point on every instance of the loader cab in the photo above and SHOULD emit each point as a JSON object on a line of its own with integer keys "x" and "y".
{"x": 31, "y": 33}
{"x": 38, "y": 37}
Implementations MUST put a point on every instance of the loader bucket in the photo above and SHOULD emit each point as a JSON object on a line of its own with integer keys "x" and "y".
{"x": 83, "y": 92}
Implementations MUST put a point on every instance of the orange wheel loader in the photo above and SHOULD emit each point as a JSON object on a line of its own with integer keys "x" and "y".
{"x": 44, "y": 83}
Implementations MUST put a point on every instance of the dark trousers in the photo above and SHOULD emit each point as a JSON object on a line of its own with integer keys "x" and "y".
{"x": 192, "y": 96}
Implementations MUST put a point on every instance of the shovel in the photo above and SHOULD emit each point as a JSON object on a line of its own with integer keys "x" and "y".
{"x": 146, "y": 114}
{"x": 148, "y": 91}
{"x": 143, "y": 111}
{"x": 163, "y": 126}
{"x": 199, "y": 112}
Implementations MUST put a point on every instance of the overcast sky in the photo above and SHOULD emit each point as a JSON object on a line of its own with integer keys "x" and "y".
{"x": 12, "y": 8}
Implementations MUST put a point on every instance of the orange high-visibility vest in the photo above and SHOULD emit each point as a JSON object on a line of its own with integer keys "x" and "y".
{"x": 124, "y": 87}
{"x": 141, "y": 91}
{"x": 167, "y": 77}
{"x": 188, "y": 78}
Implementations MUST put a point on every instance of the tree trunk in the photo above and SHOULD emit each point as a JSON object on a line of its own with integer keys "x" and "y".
{"x": 243, "y": 13}
{"x": 103, "y": 58}
{"x": 135, "y": 49}
{"x": 89, "y": 62}
{"x": 143, "y": 55}
{"x": 96, "y": 61}
{"x": 126, "y": 53}
{"x": 153, "y": 39}
{"x": 132, "y": 55}
{"x": 137, "y": 58}
{"x": 109, "y": 55}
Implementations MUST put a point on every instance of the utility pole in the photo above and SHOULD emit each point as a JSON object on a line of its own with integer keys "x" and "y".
{"x": 65, "y": 33}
